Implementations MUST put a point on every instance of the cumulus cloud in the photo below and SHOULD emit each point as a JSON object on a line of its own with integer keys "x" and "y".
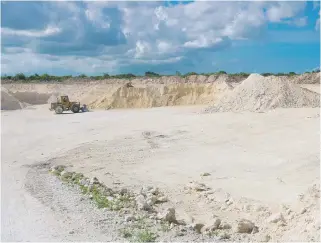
{"x": 283, "y": 10}
{"x": 109, "y": 36}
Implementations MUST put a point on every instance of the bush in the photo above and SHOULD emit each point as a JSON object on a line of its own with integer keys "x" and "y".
{"x": 190, "y": 74}
{"x": 127, "y": 76}
{"x": 221, "y": 72}
{"x": 82, "y": 76}
{"x": 151, "y": 74}
{"x": 19, "y": 76}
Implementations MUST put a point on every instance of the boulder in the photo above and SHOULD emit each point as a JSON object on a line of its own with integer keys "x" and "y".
{"x": 245, "y": 226}
{"x": 276, "y": 218}
{"x": 168, "y": 215}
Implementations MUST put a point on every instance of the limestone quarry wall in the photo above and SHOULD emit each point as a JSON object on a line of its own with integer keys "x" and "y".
{"x": 106, "y": 96}
{"x": 147, "y": 92}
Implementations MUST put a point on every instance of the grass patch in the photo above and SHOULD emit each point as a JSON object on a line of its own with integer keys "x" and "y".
{"x": 126, "y": 233}
{"x": 139, "y": 231}
{"x": 138, "y": 235}
{"x": 145, "y": 235}
{"x": 100, "y": 199}
{"x": 97, "y": 191}
{"x": 165, "y": 227}
{"x": 55, "y": 172}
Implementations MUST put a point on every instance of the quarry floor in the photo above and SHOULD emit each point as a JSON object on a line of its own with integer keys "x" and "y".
{"x": 268, "y": 158}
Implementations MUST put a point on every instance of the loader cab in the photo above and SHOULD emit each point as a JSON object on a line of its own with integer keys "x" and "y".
{"x": 64, "y": 100}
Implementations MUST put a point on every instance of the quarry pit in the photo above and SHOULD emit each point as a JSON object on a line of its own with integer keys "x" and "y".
{"x": 252, "y": 148}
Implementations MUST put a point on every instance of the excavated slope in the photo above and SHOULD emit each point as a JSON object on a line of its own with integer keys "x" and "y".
{"x": 8, "y": 101}
{"x": 153, "y": 92}
{"x": 106, "y": 96}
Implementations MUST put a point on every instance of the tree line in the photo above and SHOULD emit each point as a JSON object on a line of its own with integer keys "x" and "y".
{"x": 47, "y": 77}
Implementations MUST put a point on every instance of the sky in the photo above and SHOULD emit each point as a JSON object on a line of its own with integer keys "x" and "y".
{"x": 96, "y": 37}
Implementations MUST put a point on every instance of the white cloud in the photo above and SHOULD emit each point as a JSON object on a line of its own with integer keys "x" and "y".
{"x": 152, "y": 33}
{"x": 164, "y": 46}
{"x": 95, "y": 15}
{"x": 283, "y": 10}
{"x": 142, "y": 47}
{"x": 28, "y": 61}
{"x": 49, "y": 31}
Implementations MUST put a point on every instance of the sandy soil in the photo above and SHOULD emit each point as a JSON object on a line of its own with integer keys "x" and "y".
{"x": 254, "y": 159}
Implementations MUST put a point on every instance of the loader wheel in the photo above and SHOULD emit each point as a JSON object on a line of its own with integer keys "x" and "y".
{"x": 75, "y": 108}
{"x": 59, "y": 110}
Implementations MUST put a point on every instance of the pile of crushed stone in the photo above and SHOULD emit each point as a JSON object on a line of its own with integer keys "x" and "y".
{"x": 258, "y": 93}
{"x": 308, "y": 78}
{"x": 9, "y": 102}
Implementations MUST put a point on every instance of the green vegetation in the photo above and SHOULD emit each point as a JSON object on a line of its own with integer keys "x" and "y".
{"x": 151, "y": 74}
{"x": 139, "y": 231}
{"x": 96, "y": 192}
{"x": 20, "y": 77}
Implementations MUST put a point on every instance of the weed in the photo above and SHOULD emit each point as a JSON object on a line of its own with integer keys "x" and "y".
{"x": 83, "y": 189}
{"x": 126, "y": 233}
{"x": 145, "y": 236}
{"x": 165, "y": 227}
{"x": 55, "y": 172}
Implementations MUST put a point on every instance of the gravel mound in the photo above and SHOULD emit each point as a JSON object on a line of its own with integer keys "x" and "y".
{"x": 9, "y": 102}
{"x": 308, "y": 78}
{"x": 258, "y": 93}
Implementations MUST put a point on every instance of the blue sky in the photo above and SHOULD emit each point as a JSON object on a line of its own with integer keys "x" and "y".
{"x": 133, "y": 37}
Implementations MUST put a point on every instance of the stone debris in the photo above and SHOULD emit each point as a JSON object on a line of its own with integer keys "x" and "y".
{"x": 162, "y": 199}
{"x": 197, "y": 227}
{"x": 168, "y": 215}
{"x": 245, "y": 226}
{"x": 93, "y": 181}
{"x": 229, "y": 202}
{"x": 211, "y": 226}
{"x": 124, "y": 191}
{"x": 205, "y": 174}
{"x": 226, "y": 226}
{"x": 266, "y": 238}
{"x": 196, "y": 186}
{"x": 142, "y": 203}
{"x": 129, "y": 218}
{"x": 276, "y": 218}
{"x": 65, "y": 175}
{"x": 304, "y": 210}
{"x": 224, "y": 236}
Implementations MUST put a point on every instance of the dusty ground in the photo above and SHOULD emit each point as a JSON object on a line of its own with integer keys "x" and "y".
{"x": 260, "y": 162}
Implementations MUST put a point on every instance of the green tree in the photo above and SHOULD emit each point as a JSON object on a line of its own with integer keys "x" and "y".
{"x": 82, "y": 76}
{"x": 151, "y": 74}
{"x": 280, "y": 74}
{"x": 19, "y": 76}
{"x": 190, "y": 73}
{"x": 266, "y": 74}
{"x": 221, "y": 72}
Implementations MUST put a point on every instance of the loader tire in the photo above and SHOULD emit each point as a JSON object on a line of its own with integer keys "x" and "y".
{"x": 59, "y": 110}
{"x": 75, "y": 108}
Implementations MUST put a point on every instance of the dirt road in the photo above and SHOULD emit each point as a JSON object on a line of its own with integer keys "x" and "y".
{"x": 266, "y": 157}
